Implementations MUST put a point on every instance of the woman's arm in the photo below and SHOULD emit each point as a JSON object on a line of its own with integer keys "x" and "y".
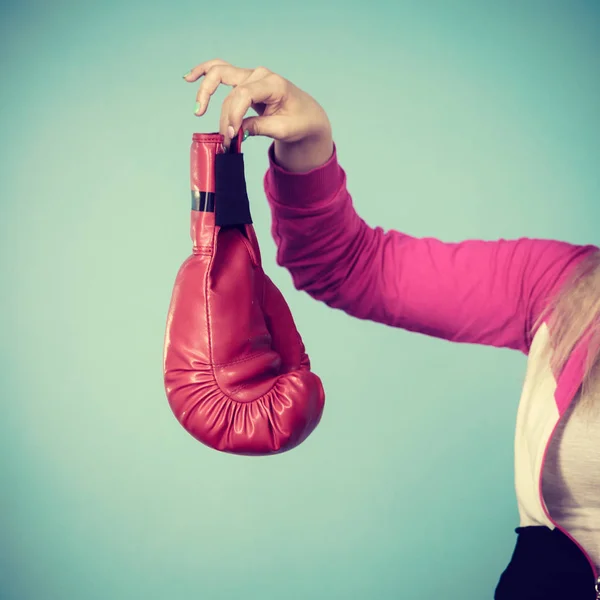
{"x": 476, "y": 292}
{"x": 479, "y": 292}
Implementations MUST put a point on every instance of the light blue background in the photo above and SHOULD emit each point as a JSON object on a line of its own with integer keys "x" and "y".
{"x": 452, "y": 119}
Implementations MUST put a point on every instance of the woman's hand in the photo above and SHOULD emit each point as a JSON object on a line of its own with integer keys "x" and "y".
{"x": 288, "y": 115}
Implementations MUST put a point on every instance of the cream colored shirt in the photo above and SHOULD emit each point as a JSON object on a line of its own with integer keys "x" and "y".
{"x": 571, "y": 478}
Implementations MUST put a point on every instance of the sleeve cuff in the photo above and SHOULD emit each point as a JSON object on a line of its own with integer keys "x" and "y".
{"x": 312, "y": 188}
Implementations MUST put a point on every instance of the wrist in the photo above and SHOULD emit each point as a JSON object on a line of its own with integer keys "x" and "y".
{"x": 304, "y": 155}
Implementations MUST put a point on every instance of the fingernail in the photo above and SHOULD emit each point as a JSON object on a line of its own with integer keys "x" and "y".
{"x": 187, "y": 74}
{"x": 197, "y": 108}
{"x": 246, "y": 135}
{"x": 231, "y": 132}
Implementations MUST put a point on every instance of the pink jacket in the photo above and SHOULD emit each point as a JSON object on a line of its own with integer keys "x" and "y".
{"x": 476, "y": 292}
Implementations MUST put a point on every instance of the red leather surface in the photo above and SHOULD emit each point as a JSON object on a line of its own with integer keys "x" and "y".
{"x": 236, "y": 372}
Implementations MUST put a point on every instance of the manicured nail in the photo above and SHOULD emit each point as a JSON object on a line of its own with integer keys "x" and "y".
{"x": 246, "y": 135}
{"x": 230, "y": 132}
{"x": 197, "y": 108}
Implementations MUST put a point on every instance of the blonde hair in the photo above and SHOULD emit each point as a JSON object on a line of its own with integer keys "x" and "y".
{"x": 574, "y": 311}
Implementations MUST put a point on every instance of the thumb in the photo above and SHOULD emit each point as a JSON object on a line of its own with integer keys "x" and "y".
{"x": 273, "y": 127}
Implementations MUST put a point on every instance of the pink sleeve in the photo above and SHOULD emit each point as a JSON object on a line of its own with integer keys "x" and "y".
{"x": 479, "y": 292}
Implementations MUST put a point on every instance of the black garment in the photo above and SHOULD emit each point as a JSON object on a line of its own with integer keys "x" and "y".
{"x": 546, "y": 565}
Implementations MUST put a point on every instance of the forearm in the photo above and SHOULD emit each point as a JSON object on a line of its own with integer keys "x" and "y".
{"x": 475, "y": 291}
{"x": 305, "y": 155}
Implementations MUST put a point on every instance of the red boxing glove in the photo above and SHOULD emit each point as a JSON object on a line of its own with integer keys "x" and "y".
{"x": 236, "y": 373}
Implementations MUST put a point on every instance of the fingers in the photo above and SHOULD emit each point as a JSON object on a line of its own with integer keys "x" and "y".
{"x": 220, "y": 74}
{"x": 202, "y": 69}
{"x": 273, "y": 127}
{"x": 269, "y": 90}
{"x": 215, "y": 72}
{"x": 258, "y": 88}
